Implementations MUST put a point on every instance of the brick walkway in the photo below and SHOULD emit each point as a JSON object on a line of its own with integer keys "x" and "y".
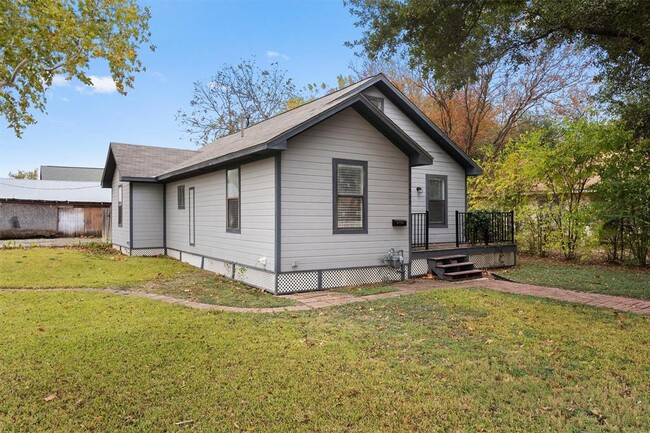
{"x": 314, "y": 300}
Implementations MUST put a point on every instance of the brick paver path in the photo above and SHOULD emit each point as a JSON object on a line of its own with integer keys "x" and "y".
{"x": 314, "y": 300}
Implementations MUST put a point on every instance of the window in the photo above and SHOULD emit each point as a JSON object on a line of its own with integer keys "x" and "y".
{"x": 233, "y": 207}
{"x": 437, "y": 200}
{"x": 377, "y": 102}
{"x": 120, "y": 203}
{"x": 192, "y": 216}
{"x": 350, "y": 196}
{"x": 181, "y": 196}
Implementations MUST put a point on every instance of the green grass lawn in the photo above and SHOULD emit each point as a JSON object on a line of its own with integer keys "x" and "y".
{"x": 101, "y": 268}
{"x": 445, "y": 360}
{"x": 607, "y": 279}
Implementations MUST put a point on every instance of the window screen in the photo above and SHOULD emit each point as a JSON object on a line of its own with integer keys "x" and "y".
{"x": 232, "y": 199}
{"x": 437, "y": 199}
{"x": 351, "y": 194}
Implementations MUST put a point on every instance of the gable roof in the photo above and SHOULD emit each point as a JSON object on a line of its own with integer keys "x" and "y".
{"x": 80, "y": 174}
{"x": 143, "y": 163}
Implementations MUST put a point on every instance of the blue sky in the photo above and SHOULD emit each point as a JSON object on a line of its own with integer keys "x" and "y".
{"x": 193, "y": 39}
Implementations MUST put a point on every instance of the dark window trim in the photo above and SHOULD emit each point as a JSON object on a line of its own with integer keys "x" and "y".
{"x": 232, "y": 229}
{"x": 179, "y": 189}
{"x": 120, "y": 206}
{"x": 446, "y": 211}
{"x": 191, "y": 192}
{"x": 374, "y": 99}
{"x": 335, "y": 164}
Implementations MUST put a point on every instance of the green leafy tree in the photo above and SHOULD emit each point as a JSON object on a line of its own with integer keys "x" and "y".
{"x": 453, "y": 40}
{"x": 545, "y": 176}
{"x": 624, "y": 198}
{"x": 25, "y": 174}
{"x": 39, "y": 39}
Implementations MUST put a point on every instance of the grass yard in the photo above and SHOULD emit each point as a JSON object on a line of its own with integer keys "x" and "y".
{"x": 445, "y": 360}
{"x": 101, "y": 268}
{"x": 607, "y": 279}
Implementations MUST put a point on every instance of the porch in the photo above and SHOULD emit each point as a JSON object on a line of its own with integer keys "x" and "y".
{"x": 486, "y": 238}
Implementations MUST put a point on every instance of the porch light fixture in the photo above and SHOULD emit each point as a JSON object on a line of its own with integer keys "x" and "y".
{"x": 418, "y": 189}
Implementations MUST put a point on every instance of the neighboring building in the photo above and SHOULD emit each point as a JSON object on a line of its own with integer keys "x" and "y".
{"x": 327, "y": 194}
{"x": 75, "y": 174}
{"x": 45, "y": 208}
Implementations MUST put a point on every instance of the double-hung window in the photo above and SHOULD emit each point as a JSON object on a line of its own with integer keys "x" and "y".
{"x": 233, "y": 205}
{"x": 350, "y": 188}
{"x": 437, "y": 200}
{"x": 120, "y": 205}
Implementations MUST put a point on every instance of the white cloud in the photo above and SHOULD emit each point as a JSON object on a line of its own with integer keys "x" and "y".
{"x": 64, "y": 99}
{"x": 271, "y": 54}
{"x": 99, "y": 85}
{"x": 161, "y": 77}
{"x": 59, "y": 81}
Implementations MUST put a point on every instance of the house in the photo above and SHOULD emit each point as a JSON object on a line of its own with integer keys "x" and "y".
{"x": 355, "y": 187}
{"x": 46, "y": 208}
{"x": 75, "y": 174}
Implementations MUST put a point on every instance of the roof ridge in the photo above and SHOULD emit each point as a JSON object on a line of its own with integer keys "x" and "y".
{"x": 303, "y": 106}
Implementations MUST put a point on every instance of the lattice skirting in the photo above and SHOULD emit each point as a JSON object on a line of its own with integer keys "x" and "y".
{"x": 149, "y": 251}
{"x": 306, "y": 281}
{"x": 419, "y": 267}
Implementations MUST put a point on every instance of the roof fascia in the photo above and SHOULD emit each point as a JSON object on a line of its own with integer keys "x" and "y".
{"x": 424, "y": 123}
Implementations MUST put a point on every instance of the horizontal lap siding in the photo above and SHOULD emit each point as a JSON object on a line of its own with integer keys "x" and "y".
{"x": 443, "y": 164}
{"x": 147, "y": 215}
{"x": 120, "y": 235}
{"x": 307, "y": 209}
{"x": 257, "y": 237}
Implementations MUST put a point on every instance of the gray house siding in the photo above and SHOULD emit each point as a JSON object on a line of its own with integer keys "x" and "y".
{"x": 147, "y": 216}
{"x": 443, "y": 164}
{"x": 256, "y": 239}
{"x": 120, "y": 236}
{"x": 307, "y": 238}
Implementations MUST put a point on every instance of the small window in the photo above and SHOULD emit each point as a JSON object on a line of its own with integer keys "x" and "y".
{"x": 120, "y": 203}
{"x": 350, "y": 196}
{"x": 377, "y": 102}
{"x": 233, "y": 205}
{"x": 437, "y": 200}
{"x": 181, "y": 197}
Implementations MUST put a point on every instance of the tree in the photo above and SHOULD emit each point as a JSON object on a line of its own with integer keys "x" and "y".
{"x": 486, "y": 112}
{"x": 39, "y": 39}
{"x": 236, "y": 96}
{"x": 25, "y": 174}
{"x": 453, "y": 41}
{"x": 624, "y": 197}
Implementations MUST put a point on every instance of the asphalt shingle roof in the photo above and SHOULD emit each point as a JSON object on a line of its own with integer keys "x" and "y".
{"x": 268, "y": 129}
{"x": 138, "y": 161}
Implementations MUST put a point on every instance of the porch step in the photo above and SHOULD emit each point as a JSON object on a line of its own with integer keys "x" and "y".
{"x": 453, "y": 267}
{"x": 465, "y": 274}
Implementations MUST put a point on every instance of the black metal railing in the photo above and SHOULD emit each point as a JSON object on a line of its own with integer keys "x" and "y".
{"x": 485, "y": 227}
{"x": 420, "y": 230}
